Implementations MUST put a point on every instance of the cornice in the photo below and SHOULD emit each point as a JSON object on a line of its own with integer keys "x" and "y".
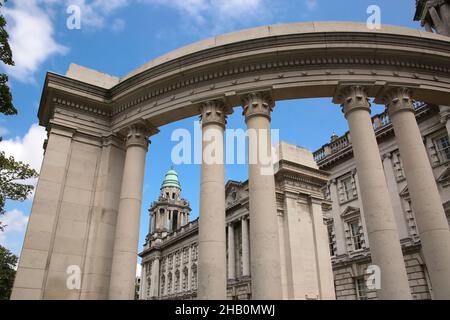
{"x": 278, "y": 59}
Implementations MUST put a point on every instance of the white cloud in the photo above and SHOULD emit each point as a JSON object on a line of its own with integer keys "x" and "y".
{"x": 94, "y": 13}
{"x": 31, "y": 38}
{"x": 27, "y": 149}
{"x": 118, "y": 25}
{"x": 15, "y": 223}
{"x": 221, "y": 14}
{"x": 138, "y": 270}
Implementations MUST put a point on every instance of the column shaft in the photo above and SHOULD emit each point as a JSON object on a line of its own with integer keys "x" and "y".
{"x": 382, "y": 231}
{"x": 212, "y": 282}
{"x": 245, "y": 248}
{"x": 123, "y": 272}
{"x": 426, "y": 201}
{"x": 265, "y": 254}
{"x": 231, "y": 253}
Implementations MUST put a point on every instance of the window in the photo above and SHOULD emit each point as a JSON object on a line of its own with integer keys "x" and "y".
{"x": 331, "y": 241}
{"x": 361, "y": 289}
{"x": 355, "y": 234}
{"x": 347, "y": 188}
{"x": 443, "y": 148}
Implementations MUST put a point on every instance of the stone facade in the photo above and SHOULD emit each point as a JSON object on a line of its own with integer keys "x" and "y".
{"x": 169, "y": 260}
{"x": 349, "y": 244}
{"x": 86, "y": 210}
{"x": 434, "y": 15}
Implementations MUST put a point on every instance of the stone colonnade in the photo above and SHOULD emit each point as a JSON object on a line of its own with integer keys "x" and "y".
{"x": 265, "y": 261}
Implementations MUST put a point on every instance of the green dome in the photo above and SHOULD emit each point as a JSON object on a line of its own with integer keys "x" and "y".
{"x": 171, "y": 180}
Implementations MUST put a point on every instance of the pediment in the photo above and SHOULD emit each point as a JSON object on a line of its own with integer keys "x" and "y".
{"x": 350, "y": 212}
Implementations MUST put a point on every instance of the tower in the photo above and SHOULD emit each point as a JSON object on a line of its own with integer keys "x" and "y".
{"x": 170, "y": 212}
{"x": 434, "y": 15}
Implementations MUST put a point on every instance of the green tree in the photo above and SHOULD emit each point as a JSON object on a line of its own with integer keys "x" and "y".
{"x": 6, "y": 103}
{"x": 8, "y": 262}
{"x": 12, "y": 173}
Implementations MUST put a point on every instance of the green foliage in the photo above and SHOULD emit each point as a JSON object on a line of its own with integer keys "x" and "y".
{"x": 12, "y": 175}
{"x": 6, "y": 104}
{"x": 11, "y": 172}
{"x": 8, "y": 261}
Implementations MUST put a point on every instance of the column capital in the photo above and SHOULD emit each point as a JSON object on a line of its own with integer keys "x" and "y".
{"x": 257, "y": 104}
{"x": 137, "y": 134}
{"x": 214, "y": 112}
{"x": 397, "y": 99}
{"x": 352, "y": 98}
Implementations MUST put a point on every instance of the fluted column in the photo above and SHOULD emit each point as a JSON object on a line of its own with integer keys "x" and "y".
{"x": 265, "y": 255}
{"x": 123, "y": 272}
{"x": 381, "y": 228}
{"x": 245, "y": 248}
{"x": 231, "y": 253}
{"x": 426, "y": 201}
{"x": 212, "y": 282}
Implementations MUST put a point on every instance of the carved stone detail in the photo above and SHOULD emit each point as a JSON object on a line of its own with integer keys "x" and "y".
{"x": 398, "y": 99}
{"x": 257, "y": 104}
{"x": 213, "y": 112}
{"x": 353, "y": 98}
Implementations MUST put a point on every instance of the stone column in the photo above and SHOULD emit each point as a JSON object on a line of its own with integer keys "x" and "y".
{"x": 212, "y": 279}
{"x": 245, "y": 248}
{"x": 381, "y": 228}
{"x": 322, "y": 251}
{"x": 283, "y": 268}
{"x": 123, "y": 272}
{"x": 154, "y": 293}
{"x": 231, "y": 253}
{"x": 265, "y": 254}
{"x": 426, "y": 201}
{"x": 143, "y": 282}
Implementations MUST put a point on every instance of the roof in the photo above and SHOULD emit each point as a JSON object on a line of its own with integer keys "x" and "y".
{"x": 171, "y": 180}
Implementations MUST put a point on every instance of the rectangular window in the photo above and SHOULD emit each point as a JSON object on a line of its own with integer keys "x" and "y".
{"x": 361, "y": 288}
{"x": 443, "y": 148}
{"x": 331, "y": 241}
{"x": 355, "y": 234}
{"x": 347, "y": 188}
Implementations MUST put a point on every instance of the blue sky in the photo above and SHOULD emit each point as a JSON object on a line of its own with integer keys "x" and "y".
{"x": 117, "y": 36}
